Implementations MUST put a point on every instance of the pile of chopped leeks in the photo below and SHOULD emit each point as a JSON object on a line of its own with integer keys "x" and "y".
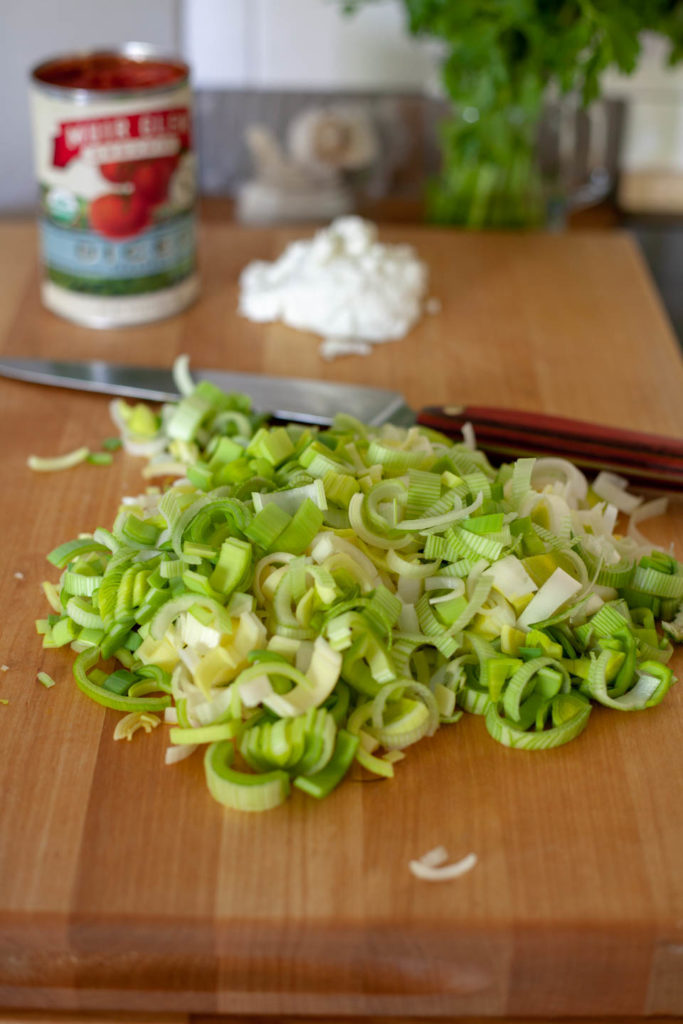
{"x": 298, "y": 600}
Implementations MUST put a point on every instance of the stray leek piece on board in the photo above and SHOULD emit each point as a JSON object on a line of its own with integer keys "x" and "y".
{"x": 297, "y": 601}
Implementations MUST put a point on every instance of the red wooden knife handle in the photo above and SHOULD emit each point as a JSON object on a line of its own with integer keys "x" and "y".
{"x": 646, "y": 459}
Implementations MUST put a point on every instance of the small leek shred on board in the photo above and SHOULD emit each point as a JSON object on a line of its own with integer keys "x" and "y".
{"x": 433, "y": 867}
{"x": 301, "y": 600}
{"x": 53, "y": 464}
{"x": 57, "y": 463}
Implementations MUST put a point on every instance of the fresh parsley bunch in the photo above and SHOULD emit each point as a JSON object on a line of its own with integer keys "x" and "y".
{"x": 503, "y": 58}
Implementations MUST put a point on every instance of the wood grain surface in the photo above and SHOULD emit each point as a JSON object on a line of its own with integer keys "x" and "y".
{"x": 124, "y": 888}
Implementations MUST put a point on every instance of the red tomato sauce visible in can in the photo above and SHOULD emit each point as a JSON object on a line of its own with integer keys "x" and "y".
{"x": 117, "y": 179}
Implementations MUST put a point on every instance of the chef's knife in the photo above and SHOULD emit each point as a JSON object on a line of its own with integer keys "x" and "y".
{"x": 646, "y": 459}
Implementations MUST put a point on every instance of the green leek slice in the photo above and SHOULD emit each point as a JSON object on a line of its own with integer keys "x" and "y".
{"x": 321, "y": 783}
{"x": 573, "y": 713}
{"x": 238, "y": 790}
{"x": 87, "y": 661}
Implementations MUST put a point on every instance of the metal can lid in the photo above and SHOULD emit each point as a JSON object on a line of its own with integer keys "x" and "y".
{"x": 130, "y": 70}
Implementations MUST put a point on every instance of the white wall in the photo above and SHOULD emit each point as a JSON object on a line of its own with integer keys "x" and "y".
{"x": 290, "y": 44}
{"x": 31, "y": 30}
{"x": 654, "y": 130}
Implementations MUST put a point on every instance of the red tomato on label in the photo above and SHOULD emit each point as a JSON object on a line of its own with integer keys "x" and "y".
{"x": 151, "y": 178}
{"x": 171, "y": 162}
{"x": 118, "y": 216}
{"x": 118, "y": 172}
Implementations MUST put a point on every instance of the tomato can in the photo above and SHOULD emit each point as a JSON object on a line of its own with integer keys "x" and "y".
{"x": 117, "y": 180}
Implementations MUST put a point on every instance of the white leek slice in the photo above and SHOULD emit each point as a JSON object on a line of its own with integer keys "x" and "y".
{"x": 469, "y": 438}
{"x": 181, "y": 375}
{"x": 409, "y": 569}
{"x": 612, "y": 488}
{"x": 193, "y": 633}
{"x": 562, "y": 476}
{"x": 206, "y": 712}
{"x": 649, "y": 510}
{"x": 255, "y": 691}
{"x": 434, "y": 858}
{"x": 443, "y": 872}
{"x": 327, "y": 544}
{"x": 595, "y": 603}
{"x": 408, "y": 621}
{"x": 374, "y": 539}
{"x": 169, "y": 611}
{"x": 322, "y": 676}
{"x": 555, "y": 592}
{"x": 446, "y": 519}
{"x": 284, "y": 645}
{"x": 510, "y": 578}
{"x": 179, "y": 752}
{"x": 559, "y": 513}
{"x": 409, "y": 589}
{"x": 291, "y": 500}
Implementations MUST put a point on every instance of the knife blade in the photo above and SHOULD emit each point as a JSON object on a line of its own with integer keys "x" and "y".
{"x": 648, "y": 460}
{"x": 305, "y": 401}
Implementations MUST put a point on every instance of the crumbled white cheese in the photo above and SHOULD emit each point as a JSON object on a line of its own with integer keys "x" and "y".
{"x": 342, "y": 284}
{"x": 19, "y": 576}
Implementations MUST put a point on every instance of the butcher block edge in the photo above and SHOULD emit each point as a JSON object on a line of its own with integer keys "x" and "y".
{"x": 240, "y": 967}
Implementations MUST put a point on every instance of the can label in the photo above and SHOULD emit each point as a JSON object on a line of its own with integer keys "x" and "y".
{"x": 117, "y": 182}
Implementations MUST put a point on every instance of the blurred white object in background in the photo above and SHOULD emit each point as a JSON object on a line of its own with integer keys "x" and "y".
{"x": 282, "y": 191}
{"x": 336, "y": 138}
{"x": 311, "y": 180}
{"x": 651, "y": 178}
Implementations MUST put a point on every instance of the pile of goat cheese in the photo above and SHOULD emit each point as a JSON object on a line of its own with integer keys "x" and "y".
{"x": 342, "y": 284}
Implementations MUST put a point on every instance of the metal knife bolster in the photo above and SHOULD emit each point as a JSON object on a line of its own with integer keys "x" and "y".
{"x": 305, "y": 401}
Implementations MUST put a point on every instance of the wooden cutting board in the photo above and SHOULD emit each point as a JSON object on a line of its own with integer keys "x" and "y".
{"x": 124, "y": 887}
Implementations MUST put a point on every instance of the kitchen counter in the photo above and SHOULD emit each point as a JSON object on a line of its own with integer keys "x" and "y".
{"x": 125, "y": 890}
